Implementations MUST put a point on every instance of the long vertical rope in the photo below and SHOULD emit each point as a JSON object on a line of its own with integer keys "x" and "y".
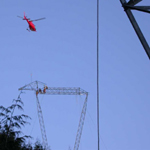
{"x": 98, "y": 74}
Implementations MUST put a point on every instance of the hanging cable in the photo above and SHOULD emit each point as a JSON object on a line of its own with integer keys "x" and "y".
{"x": 98, "y": 74}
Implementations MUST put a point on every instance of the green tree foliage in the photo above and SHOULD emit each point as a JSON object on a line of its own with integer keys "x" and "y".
{"x": 38, "y": 146}
{"x": 10, "y": 129}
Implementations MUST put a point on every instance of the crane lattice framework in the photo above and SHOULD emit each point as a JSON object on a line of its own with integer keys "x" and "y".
{"x": 41, "y": 88}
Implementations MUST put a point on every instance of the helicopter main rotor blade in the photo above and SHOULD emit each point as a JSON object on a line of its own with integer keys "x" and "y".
{"x": 21, "y": 17}
{"x": 38, "y": 19}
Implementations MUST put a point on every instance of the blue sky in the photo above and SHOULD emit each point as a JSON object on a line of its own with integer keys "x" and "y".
{"x": 62, "y": 53}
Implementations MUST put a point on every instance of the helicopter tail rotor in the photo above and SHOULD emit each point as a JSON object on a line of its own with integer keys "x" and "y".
{"x": 24, "y": 16}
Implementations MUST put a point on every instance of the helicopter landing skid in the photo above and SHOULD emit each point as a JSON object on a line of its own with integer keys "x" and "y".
{"x": 28, "y": 29}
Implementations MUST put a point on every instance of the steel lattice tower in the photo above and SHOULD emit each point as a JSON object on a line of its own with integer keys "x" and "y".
{"x": 41, "y": 88}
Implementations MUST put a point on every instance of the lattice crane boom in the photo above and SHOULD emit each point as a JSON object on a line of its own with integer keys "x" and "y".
{"x": 41, "y": 88}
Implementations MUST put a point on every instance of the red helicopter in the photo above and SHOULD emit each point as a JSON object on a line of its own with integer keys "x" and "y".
{"x": 31, "y": 25}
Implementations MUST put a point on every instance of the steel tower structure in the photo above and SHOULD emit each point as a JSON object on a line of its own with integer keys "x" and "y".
{"x": 130, "y": 5}
{"x": 41, "y": 88}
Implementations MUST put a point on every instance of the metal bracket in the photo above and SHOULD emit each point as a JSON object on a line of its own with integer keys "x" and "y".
{"x": 133, "y": 2}
{"x": 139, "y": 8}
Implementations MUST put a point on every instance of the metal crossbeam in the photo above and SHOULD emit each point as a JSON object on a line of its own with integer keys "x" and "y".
{"x": 139, "y": 8}
{"x": 133, "y": 2}
{"x": 36, "y": 86}
{"x": 65, "y": 91}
